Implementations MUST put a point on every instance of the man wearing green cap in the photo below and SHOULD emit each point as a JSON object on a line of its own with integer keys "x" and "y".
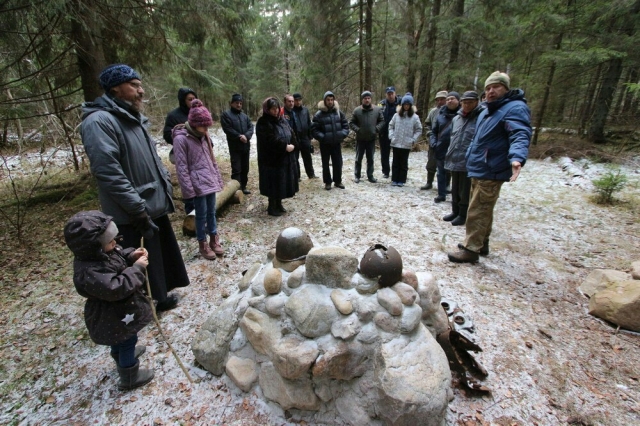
{"x": 496, "y": 155}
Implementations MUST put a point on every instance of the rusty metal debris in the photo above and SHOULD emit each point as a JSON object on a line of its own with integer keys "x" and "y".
{"x": 382, "y": 263}
{"x": 456, "y": 343}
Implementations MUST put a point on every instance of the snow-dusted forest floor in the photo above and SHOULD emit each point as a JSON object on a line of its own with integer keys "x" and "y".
{"x": 549, "y": 361}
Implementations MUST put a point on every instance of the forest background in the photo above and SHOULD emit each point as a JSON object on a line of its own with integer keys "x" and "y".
{"x": 577, "y": 60}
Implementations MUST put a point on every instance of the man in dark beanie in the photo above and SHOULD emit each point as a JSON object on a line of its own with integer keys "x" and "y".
{"x": 239, "y": 129}
{"x": 134, "y": 187}
{"x": 389, "y": 106}
{"x": 366, "y": 121}
{"x": 302, "y": 118}
{"x": 330, "y": 127}
{"x": 496, "y": 155}
{"x": 440, "y": 138}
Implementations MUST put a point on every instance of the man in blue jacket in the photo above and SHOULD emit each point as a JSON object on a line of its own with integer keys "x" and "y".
{"x": 496, "y": 155}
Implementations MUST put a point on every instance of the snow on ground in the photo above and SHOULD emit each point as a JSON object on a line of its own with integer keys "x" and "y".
{"x": 547, "y": 237}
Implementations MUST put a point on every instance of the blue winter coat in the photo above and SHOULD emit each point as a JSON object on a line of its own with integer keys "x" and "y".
{"x": 503, "y": 134}
{"x": 440, "y": 136}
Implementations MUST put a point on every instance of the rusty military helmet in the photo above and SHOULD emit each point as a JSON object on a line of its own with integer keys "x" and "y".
{"x": 382, "y": 263}
{"x": 292, "y": 244}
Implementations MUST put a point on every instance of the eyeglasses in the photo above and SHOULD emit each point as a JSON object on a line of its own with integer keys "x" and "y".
{"x": 135, "y": 85}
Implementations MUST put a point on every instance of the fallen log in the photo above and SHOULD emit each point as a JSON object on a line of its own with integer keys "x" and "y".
{"x": 229, "y": 194}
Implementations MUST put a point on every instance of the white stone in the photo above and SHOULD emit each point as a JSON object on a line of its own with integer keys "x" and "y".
{"x": 346, "y": 328}
{"x": 406, "y": 293}
{"x": 274, "y": 305}
{"x": 295, "y": 279}
{"x": 600, "y": 279}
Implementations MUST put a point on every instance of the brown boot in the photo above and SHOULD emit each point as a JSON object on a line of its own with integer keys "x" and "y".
{"x": 463, "y": 256}
{"x": 484, "y": 251}
{"x": 214, "y": 244}
{"x": 205, "y": 250}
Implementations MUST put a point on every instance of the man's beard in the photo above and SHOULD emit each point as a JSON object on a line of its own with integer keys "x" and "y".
{"x": 137, "y": 104}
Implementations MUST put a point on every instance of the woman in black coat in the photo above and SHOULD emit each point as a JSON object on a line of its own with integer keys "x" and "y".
{"x": 277, "y": 164}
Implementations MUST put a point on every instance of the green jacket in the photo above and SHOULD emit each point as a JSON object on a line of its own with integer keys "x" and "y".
{"x": 366, "y": 122}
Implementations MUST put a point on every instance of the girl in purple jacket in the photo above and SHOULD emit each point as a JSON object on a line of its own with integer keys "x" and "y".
{"x": 199, "y": 175}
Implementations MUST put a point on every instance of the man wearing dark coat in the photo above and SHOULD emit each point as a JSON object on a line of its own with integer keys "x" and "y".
{"x": 175, "y": 117}
{"x": 330, "y": 127}
{"x": 302, "y": 118}
{"x": 134, "y": 187}
{"x": 366, "y": 121}
{"x": 239, "y": 129}
{"x": 389, "y": 106}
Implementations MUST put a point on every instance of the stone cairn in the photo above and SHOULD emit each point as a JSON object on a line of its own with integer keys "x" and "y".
{"x": 308, "y": 331}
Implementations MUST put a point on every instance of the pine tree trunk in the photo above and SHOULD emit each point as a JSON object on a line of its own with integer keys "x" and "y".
{"x": 424, "y": 86}
{"x": 85, "y": 33}
{"x": 368, "y": 25}
{"x": 458, "y": 12}
{"x": 603, "y": 101}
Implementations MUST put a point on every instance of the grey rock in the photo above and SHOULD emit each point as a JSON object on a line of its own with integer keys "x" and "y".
{"x": 390, "y": 300}
{"x": 600, "y": 279}
{"x": 387, "y": 322}
{"x": 288, "y": 393}
{"x": 296, "y": 277}
{"x": 249, "y": 275}
{"x": 274, "y": 305}
{"x": 366, "y": 307}
{"x": 292, "y": 356}
{"x": 410, "y": 319}
{"x": 311, "y": 310}
{"x": 238, "y": 341}
{"x": 211, "y": 345}
{"x": 406, "y": 293}
{"x": 342, "y": 302}
{"x": 243, "y": 372}
{"x": 346, "y": 328}
{"x": 257, "y": 284}
{"x": 257, "y": 302}
{"x": 413, "y": 380}
{"x": 261, "y": 331}
{"x": 272, "y": 281}
{"x": 368, "y": 334}
{"x": 429, "y": 294}
{"x": 271, "y": 254}
{"x": 363, "y": 284}
{"x": 331, "y": 266}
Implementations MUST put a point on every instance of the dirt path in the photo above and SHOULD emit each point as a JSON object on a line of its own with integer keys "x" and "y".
{"x": 549, "y": 361}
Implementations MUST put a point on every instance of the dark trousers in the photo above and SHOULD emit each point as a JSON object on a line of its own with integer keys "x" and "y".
{"x": 385, "y": 150}
{"x": 307, "y": 160}
{"x": 431, "y": 161}
{"x": 442, "y": 179}
{"x": 331, "y": 153}
{"x": 362, "y": 148}
{"x": 240, "y": 167}
{"x": 125, "y": 352}
{"x": 460, "y": 189}
{"x": 166, "y": 268}
{"x": 400, "y": 166}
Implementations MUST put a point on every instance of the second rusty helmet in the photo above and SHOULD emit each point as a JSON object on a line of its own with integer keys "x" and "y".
{"x": 292, "y": 244}
{"x": 382, "y": 263}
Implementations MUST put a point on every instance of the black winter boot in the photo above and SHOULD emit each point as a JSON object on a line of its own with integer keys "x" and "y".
{"x": 279, "y": 206}
{"x": 450, "y": 217}
{"x": 429, "y": 185}
{"x": 134, "y": 376}
{"x": 138, "y": 353}
{"x": 273, "y": 208}
{"x": 458, "y": 221}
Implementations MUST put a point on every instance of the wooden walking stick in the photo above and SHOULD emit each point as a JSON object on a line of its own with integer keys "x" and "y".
{"x": 155, "y": 318}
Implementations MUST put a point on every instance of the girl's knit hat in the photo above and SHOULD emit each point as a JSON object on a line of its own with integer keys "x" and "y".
{"x": 199, "y": 116}
{"x": 407, "y": 98}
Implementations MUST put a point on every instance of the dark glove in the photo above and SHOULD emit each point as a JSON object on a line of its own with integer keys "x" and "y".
{"x": 144, "y": 225}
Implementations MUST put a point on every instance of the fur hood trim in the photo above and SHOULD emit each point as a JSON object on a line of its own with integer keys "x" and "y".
{"x": 323, "y": 107}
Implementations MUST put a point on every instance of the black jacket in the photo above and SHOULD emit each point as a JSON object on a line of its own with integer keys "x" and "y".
{"x": 366, "y": 122}
{"x": 234, "y": 124}
{"x": 116, "y": 307}
{"x": 178, "y": 115}
{"x": 388, "y": 111}
{"x": 277, "y": 167}
{"x": 303, "y": 123}
{"x": 329, "y": 126}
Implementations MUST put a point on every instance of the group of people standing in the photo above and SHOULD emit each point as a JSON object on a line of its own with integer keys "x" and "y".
{"x": 480, "y": 145}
